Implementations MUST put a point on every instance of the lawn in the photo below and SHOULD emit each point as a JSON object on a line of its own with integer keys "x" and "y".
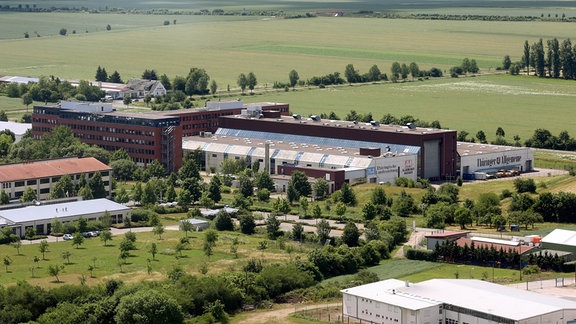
{"x": 106, "y": 261}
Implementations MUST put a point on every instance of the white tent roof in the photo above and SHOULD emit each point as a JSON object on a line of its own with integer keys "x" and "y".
{"x": 560, "y": 236}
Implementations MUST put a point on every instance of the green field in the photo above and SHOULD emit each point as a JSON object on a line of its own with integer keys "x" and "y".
{"x": 517, "y": 104}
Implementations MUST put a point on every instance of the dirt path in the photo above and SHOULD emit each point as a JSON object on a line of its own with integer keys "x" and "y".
{"x": 280, "y": 314}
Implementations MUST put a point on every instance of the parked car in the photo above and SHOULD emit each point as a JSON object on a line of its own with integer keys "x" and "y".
{"x": 67, "y": 237}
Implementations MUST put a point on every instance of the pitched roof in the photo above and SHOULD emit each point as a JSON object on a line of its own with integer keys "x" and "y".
{"x": 50, "y": 168}
{"x": 560, "y": 236}
{"x": 520, "y": 248}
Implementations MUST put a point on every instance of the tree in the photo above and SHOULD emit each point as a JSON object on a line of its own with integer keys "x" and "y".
{"x": 149, "y": 75}
{"x": 108, "y": 27}
{"x": 506, "y": 62}
{"x": 7, "y": 262}
{"x": 396, "y": 69}
{"x": 252, "y": 82}
{"x": 63, "y": 31}
{"x": 340, "y": 209}
{"x": 78, "y": 239}
{"x": 404, "y": 205}
{"x": 414, "y": 70}
{"x": 272, "y": 226}
{"x": 242, "y": 82}
{"x": 323, "y": 231}
{"x": 525, "y": 185}
{"x": 463, "y": 216}
{"x": 27, "y": 100}
{"x": 246, "y": 186}
{"x": 481, "y": 136}
{"x": 115, "y": 78}
{"x": 123, "y": 169}
{"x": 54, "y": 270}
{"x": 148, "y": 306}
{"x": 247, "y": 224}
{"x": 186, "y": 226}
{"x": 214, "y": 191}
{"x": 63, "y": 188}
{"x": 299, "y": 181}
{"x": 282, "y": 206}
{"x": 351, "y": 234}
{"x": 43, "y": 247}
{"x": 97, "y": 186}
{"x": 320, "y": 188}
{"x": 293, "y": 77}
{"x": 197, "y": 82}
{"x": 153, "y": 250}
{"x": 263, "y": 180}
{"x": 56, "y": 226}
{"x": 66, "y": 256}
{"x": 106, "y": 236}
{"x": 213, "y": 87}
{"x": 101, "y": 74}
{"x": 297, "y": 231}
{"x": 17, "y": 245}
{"x": 223, "y": 221}
{"x": 526, "y": 57}
{"x": 210, "y": 238}
{"x": 347, "y": 195}
{"x": 158, "y": 230}
{"x": 351, "y": 74}
{"x": 369, "y": 211}
{"x": 127, "y": 101}
{"x": 500, "y": 132}
{"x": 29, "y": 195}
{"x": 374, "y": 73}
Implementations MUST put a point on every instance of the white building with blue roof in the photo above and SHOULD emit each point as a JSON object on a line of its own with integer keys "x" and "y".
{"x": 39, "y": 216}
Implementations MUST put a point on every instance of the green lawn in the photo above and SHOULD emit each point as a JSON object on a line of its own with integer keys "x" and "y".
{"x": 105, "y": 258}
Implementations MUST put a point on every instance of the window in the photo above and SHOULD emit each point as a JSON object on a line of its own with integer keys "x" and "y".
{"x": 19, "y": 184}
{"x": 31, "y": 182}
{"x": 214, "y": 155}
{"x": 45, "y": 190}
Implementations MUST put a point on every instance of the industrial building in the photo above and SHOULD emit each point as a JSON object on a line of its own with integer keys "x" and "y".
{"x": 482, "y": 161}
{"x": 452, "y": 301}
{"x": 144, "y": 136}
{"x": 43, "y": 175}
{"x": 40, "y": 216}
{"x": 435, "y": 148}
{"x": 335, "y": 160}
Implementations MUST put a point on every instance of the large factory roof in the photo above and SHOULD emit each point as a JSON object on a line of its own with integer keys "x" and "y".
{"x": 466, "y": 148}
{"x": 373, "y": 125}
{"x": 320, "y": 141}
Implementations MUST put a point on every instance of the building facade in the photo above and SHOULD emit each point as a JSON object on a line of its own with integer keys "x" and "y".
{"x": 43, "y": 175}
{"x": 145, "y": 136}
{"x": 481, "y": 161}
{"x": 436, "y": 148}
{"x": 40, "y": 216}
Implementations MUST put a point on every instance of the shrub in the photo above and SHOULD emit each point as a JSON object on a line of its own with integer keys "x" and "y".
{"x": 424, "y": 255}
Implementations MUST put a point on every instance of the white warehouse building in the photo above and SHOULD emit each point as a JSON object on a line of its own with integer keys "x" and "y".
{"x": 478, "y": 160}
{"x": 452, "y": 301}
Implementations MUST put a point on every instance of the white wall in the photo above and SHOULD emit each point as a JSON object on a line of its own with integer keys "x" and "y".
{"x": 490, "y": 162}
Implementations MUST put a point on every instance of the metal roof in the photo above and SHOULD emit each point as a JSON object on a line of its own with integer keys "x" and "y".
{"x": 50, "y": 168}
{"x": 485, "y": 297}
{"x": 16, "y": 128}
{"x": 560, "y": 236}
{"x": 67, "y": 209}
{"x": 334, "y": 142}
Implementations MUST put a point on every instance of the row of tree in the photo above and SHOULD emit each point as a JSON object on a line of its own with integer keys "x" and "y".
{"x": 555, "y": 59}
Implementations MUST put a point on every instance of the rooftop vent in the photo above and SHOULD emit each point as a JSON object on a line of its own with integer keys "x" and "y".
{"x": 412, "y": 126}
{"x": 374, "y": 123}
{"x": 315, "y": 118}
{"x": 296, "y": 116}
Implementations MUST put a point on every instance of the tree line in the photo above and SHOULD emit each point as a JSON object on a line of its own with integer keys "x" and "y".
{"x": 555, "y": 59}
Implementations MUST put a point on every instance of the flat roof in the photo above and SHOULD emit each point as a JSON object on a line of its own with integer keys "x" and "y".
{"x": 482, "y": 296}
{"x": 466, "y": 148}
{"x": 348, "y": 124}
{"x": 447, "y": 234}
{"x": 50, "y": 168}
{"x": 67, "y": 209}
{"x": 16, "y": 128}
{"x": 255, "y": 146}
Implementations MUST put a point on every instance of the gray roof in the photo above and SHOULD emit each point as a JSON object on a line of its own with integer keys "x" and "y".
{"x": 16, "y": 128}
{"x": 213, "y": 212}
{"x": 195, "y": 221}
{"x": 68, "y": 209}
{"x": 336, "y": 142}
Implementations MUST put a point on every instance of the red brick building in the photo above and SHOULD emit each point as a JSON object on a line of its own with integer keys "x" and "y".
{"x": 145, "y": 136}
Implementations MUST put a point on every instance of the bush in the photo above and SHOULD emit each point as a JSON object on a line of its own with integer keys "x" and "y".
{"x": 423, "y": 255}
{"x": 525, "y": 185}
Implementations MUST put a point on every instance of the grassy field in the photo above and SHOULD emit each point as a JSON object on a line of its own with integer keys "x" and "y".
{"x": 517, "y": 104}
{"x": 267, "y": 46}
{"x": 105, "y": 258}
